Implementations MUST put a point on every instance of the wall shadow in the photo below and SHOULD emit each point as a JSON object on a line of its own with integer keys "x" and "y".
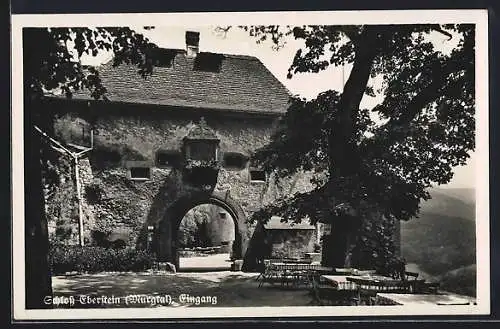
{"x": 259, "y": 248}
{"x": 166, "y": 195}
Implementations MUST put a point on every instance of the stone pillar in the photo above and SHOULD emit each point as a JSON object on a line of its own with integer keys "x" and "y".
{"x": 86, "y": 179}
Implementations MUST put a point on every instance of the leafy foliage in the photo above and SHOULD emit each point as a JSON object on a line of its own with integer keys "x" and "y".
{"x": 194, "y": 230}
{"x": 52, "y": 57}
{"x": 379, "y": 160}
{"x": 96, "y": 259}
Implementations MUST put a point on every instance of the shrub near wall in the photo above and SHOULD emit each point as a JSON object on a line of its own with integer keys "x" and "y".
{"x": 65, "y": 259}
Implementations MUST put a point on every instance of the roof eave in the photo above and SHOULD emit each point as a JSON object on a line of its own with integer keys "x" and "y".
{"x": 252, "y": 112}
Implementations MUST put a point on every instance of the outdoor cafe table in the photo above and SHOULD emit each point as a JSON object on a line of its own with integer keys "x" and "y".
{"x": 383, "y": 283}
{"x": 340, "y": 282}
{"x": 301, "y": 266}
{"x": 298, "y": 271}
{"x": 373, "y": 282}
{"x": 294, "y": 267}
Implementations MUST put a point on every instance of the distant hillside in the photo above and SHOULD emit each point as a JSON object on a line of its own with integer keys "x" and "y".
{"x": 442, "y": 240}
{"x": 466, "y": 195}
{"x": 439, "y": 243}
{"x": 453, "y": 202}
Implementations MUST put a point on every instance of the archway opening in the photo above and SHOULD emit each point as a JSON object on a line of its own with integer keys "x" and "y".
{"x": 206, "y": 239}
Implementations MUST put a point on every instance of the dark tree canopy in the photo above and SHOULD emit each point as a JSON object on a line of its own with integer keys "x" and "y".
{"x": 379, "y": 160}
{"x": 426, "y": 120}
{"x": 52, "y": 57}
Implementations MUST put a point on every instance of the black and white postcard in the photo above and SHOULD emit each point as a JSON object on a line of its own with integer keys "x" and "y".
{"x": 222, "y": 165}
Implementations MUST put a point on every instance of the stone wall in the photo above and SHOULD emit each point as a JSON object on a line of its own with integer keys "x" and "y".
{"x": 128, "y": 136}
{"x": 221, "y": 229}
{"x": 119, "y": 139}
{"x": 290, "y": 243}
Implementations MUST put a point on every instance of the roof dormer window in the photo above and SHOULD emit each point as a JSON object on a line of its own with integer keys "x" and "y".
{"x": 208, "y": 62}
{"x": 163, "y": 57}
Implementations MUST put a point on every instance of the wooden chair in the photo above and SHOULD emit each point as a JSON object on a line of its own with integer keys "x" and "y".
{"x": 287, "y": 272}
{"x": 304, "y": 274}
{"x": 261, "y": 265}
{"x": 295, "y": 274}
{"x": 272, "y": 274}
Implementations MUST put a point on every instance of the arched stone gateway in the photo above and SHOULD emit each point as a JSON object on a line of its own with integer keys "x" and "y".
{"x": 167, "y": 231}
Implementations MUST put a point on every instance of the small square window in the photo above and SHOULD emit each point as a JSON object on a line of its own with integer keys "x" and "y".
{"x": 140, "y": 173}
{"x": 165, "y": 159}
{"x": 257, "y": 175}
{"x": 235, "y": 161}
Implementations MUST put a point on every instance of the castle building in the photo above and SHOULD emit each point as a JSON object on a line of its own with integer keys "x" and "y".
{"x": 158, "y": 146}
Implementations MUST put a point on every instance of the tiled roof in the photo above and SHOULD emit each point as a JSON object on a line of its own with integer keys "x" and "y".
{"x": 212, "y": 81}
{"x": 274, "y": 223}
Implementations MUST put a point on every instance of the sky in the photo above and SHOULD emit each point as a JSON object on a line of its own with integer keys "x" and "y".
{"x": 307, "y": 85}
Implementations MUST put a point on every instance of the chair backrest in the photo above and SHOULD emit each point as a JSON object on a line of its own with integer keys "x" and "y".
{"x": 269, "y": 266}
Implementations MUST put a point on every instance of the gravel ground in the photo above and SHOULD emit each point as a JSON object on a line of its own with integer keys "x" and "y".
{"x": 220, "y": 262}
{"x": 223, "y": 289}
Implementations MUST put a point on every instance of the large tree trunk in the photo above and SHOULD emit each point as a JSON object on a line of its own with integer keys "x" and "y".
{"x": 343, "y": 154}
{"x": 338, "y": 245}
{"x": 37, "y": 274}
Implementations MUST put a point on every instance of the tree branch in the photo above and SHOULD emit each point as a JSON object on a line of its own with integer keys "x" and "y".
{"x": 427, "y": 95}
{"x": 438, "y": 28}
{"x": 356, "y": 83}
{"x": 351, "y": 31}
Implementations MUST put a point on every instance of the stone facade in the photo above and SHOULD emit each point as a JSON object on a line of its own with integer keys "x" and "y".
{"x": 128, "y": 136}
{"x": 290, "y": 243}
